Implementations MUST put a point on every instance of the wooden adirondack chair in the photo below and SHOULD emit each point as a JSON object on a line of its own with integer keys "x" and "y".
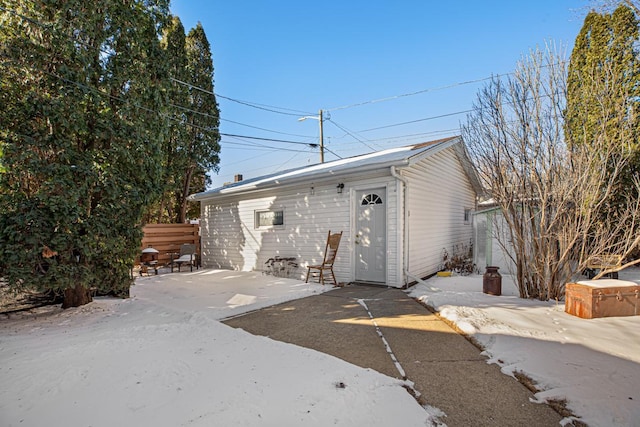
{"x": 330, "y": 251}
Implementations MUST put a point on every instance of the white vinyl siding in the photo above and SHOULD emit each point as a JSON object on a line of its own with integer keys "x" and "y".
{"x": 222, "y": 236}
{"x": 231, "y": 240}
{"x": 438, "y": 194}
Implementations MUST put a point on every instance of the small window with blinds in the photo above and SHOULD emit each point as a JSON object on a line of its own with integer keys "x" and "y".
{"x": 269, "y": 219}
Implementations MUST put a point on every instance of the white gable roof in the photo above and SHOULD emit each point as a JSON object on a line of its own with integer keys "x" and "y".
{"x": 401, "y": 156}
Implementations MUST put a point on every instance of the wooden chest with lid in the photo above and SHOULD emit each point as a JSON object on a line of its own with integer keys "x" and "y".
{"x": 589, "y": 299}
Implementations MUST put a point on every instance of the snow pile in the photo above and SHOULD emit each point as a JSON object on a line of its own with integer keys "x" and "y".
{"x": 162, "y": 358}
{"x": 593, "y": 364}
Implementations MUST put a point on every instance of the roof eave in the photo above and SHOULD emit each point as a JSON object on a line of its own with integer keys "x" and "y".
{"x": 436, "y": 148}
{"x": 291, "y": 181}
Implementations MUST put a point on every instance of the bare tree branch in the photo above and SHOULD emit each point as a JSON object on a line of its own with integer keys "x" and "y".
{"x": 554, "y": 197}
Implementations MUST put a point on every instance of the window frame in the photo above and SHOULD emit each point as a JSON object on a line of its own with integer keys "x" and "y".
{"x": 467, "y": 215}
{"x": 259, "y": 225}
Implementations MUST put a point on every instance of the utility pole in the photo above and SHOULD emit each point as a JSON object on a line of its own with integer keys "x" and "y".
{"x": 320, "y": 119}
{"x": 321, "y": 138}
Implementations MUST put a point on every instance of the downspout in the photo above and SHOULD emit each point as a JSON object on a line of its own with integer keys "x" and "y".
{"x": 405, "y": 224}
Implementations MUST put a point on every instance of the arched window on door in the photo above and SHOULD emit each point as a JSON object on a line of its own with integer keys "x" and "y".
{"x": 371, "y": 199}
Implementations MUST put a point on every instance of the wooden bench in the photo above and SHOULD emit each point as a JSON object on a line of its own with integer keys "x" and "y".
{"x": 597, "y": 263}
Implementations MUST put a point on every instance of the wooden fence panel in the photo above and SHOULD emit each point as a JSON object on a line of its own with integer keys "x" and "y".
{"x": 167, "y": 239}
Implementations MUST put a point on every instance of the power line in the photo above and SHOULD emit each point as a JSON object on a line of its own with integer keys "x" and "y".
{"x": 234, "y": 122}
{"x": 418, "y": 120}
{"x": 228, "y": 120}
{"x": 338, "y": 156}
{"x": 309, "y": 144}
{"x": 405, "y": 137}
{"x": 389, "y": 98}
{"x": 266, "y": 107}
{"x": 261, "y": 146}
{"x": 247, "y": 103}
{"x": 350, "y": 133}
{"x": 264, "y": 129}
{"x": 272, "y": 170}
{"x": 286, "y": 162}
{"x": 418, "y": 135}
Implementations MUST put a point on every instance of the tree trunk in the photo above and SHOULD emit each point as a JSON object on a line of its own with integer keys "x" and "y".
{"x": 185, "y": 193}
{"x": 161, "y": 209}
{"x": 77, "y": 296}
{"x": 122, "y": 291}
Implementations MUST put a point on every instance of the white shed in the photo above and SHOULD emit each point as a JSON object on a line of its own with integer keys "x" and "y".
{"x": 398, "y": 209}
{"x": 490, "y": 229}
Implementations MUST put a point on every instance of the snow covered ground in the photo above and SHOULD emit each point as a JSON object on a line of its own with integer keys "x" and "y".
{"x": 162, "y": 358}
{"x": 594, "y": 363}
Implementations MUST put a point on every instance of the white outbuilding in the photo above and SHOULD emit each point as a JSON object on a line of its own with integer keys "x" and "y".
{"x": 398, "y": 210}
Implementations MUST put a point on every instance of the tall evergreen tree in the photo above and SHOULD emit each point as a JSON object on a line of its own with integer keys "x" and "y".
{"x": 174, "y": 45}
{"x": 82, "y": 128}
{"x": 603, "y": 87}
{"x": 201, "y": 149}
{"x": 193, "y": 145}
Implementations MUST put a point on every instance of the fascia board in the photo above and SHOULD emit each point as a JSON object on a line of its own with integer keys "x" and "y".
{"x": 252, "y": 188}
{"x": 433, "y": 150}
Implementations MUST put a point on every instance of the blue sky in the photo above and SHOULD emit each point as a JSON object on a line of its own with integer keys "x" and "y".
{"x": 300, "y": 57}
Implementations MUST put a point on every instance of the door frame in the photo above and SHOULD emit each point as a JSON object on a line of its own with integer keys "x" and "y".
{"x": 354, "y": 204}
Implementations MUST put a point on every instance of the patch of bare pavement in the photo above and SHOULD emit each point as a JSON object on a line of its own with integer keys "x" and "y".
{"x": 386, "y": 330}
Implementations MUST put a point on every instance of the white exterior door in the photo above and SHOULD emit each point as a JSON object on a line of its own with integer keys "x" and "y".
{"x": 370, "y": 238}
